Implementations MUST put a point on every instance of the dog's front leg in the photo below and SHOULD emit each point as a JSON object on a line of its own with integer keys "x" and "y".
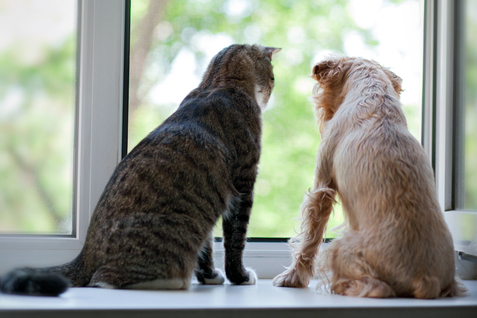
{"x": 316, "y": 210}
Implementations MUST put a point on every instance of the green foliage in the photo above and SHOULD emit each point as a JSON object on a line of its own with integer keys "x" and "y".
{"x": 36, "y": 156}
{"x": 470, "y": 142}
{"x": 35, "y": 163}
{"x": 290, "y": 138}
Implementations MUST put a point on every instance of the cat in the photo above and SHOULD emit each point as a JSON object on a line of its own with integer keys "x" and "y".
{"x": 152, "y": 226}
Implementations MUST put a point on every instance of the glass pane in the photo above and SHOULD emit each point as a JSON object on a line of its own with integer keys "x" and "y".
{"x": 172, "y": 43}
{"x": 470, "y": 106}
{"x": 37, "y": 98}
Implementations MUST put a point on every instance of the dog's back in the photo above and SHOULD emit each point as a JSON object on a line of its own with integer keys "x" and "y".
{"x": 397, "y": 235}
{"x": 387, "y": 190}
{"x": 396, "y": 242}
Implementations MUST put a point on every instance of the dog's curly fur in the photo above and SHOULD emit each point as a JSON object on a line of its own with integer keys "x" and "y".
{"x": 396, "y": 242}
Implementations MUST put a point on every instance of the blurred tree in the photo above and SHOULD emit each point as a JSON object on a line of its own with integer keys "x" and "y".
{"x": 36, "y": 157}
{"x": 470, "y": 142}
{"x": 141, "y": 46}
{"x": 36, "y": 170}
{"x": 303, "y": 28}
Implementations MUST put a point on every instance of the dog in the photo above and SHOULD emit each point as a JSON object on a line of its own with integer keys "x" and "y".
{"x": 396, "y": 242}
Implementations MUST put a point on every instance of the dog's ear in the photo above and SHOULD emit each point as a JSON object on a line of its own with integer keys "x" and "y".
{"x": 395, "y": 80}
{"x": 322, "y": 70}
{"x": 329, "y": 71}
{"x": 329, "y": 75}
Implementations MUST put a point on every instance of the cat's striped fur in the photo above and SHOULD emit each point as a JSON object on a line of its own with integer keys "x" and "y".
{"x": 152, "y": 225}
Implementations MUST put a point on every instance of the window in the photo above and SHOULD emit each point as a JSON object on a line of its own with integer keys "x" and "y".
{"x": 99, "y": 95}
{"x": 172, "y": 43}
{"x": 101, "y": 76}
{"x": 466, "y": 103}
{"x": 37, "y": 116}
{"x": 450, "y": 110}
{"x": 470, "y": 106}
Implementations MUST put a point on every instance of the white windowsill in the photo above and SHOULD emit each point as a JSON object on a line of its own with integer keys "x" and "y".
{"x": 261, "y": 300}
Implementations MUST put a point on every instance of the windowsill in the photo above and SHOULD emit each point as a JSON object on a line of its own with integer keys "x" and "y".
{"x": 261, "y": 300}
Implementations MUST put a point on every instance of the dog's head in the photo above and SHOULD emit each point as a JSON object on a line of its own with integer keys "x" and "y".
{"x": 334, "y": 74}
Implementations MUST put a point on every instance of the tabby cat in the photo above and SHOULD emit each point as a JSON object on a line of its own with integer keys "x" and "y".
{"x": 152, "y": 225}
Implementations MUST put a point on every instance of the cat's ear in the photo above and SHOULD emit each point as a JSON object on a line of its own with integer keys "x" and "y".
{"x": 271, "y": 51}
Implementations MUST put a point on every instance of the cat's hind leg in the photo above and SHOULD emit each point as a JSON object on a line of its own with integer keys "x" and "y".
{"x": 205, "y": 272}
{"x": 107, "y": 277}
{"x": 173, "y": 283}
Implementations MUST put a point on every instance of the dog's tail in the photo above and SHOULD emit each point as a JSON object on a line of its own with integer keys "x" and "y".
{"x": 431, "y": 287}
{"x": 50, "y": 281}
{"x": 455, "y": 289}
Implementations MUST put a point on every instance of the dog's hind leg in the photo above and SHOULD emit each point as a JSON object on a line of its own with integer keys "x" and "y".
{"x": 352, "y": 274}
{"x": 316, "y": 210}
{"x": 366, "y": 286}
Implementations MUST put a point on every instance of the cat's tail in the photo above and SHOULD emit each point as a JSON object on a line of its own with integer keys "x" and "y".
{"x": 50, "y": 281}
{"x": 32, "y": 282}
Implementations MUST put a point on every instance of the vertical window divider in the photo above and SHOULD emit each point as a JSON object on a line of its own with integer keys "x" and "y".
{"x": 428, "y": 130}
{"x": 444, "y": 103}
{"x": 460, "y": 53}
{"x": 126, "y": 59}
{"x": 100, "y": 89}
{"x": 444, "y": 84}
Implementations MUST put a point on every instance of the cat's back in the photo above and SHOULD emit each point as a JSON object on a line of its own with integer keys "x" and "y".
{"x": 191, "y": 164}
{"x": 177, "y": 159}
{"x": 222, "y": 114}
{"x": 189, "y": 157}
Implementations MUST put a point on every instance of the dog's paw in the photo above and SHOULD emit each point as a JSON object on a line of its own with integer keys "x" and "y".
{"x": 290, "y": 278}
{"x": 217, "y": 280}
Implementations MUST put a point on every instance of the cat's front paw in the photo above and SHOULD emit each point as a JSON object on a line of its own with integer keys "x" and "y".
{"x": 219, "y": 278}
{"x": 243, "y": 277}
{"x": 291, "y": 278}
{"x": 252, "y": 277}
{"x": 214, "y": 278}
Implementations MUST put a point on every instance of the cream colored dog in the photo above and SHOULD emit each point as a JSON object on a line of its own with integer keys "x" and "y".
{"x": 396, "y": 243}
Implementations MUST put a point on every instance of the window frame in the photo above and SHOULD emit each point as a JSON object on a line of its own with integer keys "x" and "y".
{"x": 102, "y": 74}
{"x": 441, "y": 97}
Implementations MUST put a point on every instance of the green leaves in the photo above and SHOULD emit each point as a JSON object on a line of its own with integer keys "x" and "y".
{"x": 290, "y": 140}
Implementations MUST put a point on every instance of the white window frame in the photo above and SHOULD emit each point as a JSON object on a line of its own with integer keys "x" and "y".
{"x": 99, "y": 129}
{"x": 440, "y": 103}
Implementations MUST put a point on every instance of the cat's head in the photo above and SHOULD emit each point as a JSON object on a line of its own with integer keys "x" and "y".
{"x": 246, "y": 65}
